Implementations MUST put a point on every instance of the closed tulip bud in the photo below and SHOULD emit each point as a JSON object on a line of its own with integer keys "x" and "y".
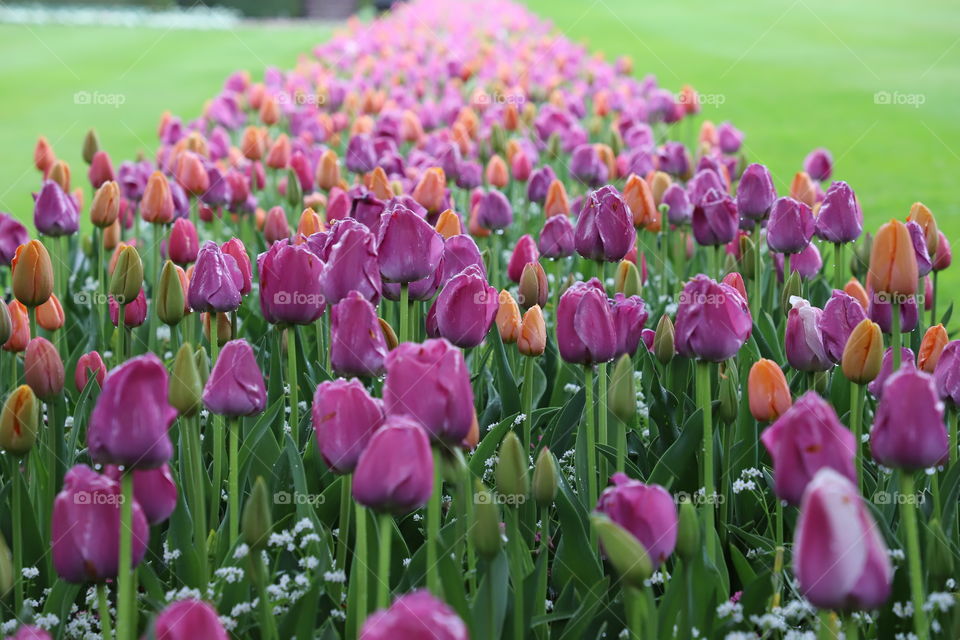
{"x": 688, "y": 531}
{"x": 394, "y": 473}
{"x": 804, "y": 340}
{"x": 294, "y": 191}
{"x": 106, "y": 204}
{"x": 235, "y": 387}
{"x": 713, "y": 320}
{"x": 627, "y": 279}
{"x": 791, "y": 289}
{"x": 943, "y": 256}
{"x": 860, "y": 260}
{"x": 715, "y": 218}
{"x": 533, "y": 286}
{"x": 893, "y": 263}
{"x": 32, "y": 274}
{"x": 768, "y": 391}
{"x": 309, "y": 223}
{"x": 622, "y": 395}
{"x": 328, "y": 170}
{"x": 604, "y": 230}
{"x": 19, "y": 331}
{"x": 6, "y": 323}
{"x": 408, "y": 248}
{"x": 854, "y": 289}
{"x": 170, "y": 297}
{"x": 449, "y": 224}
{"x": 511, "y": 474}
{"x": 658, "y": 186}
{"x": 252, "y": 144}
{"x": 85, "y": 527}
{"x": 203, "y": 364}
{"x": 485, "y": 528}
{"x": 747, "y": 252}
{"x": 646, "y": 511}
{"x": 839, "y": 556}
{"x": 920, "y": 214}
{"x": 157, "y": 204}
{"x": 60, "y": 173}
{"x": 494, "y": 211}
{"x": 729, "y": 393}
{"x": 840, "y": 315}
{"x": 466, "y": 308}
{"x": 183, "y": 244}
{"x": 275, "y": 226}
{"x": 626, "y": 554}
{"x": 127, "y": 278}
{"x": 19, "y": 421}
{"x": 91, "y": 144}
{"x": 257, "y": 520}
{"x": 803, "y": 189}
{"x": 556, "y": 200}
{"x": 664, "y": 340}
{"x": 908, "y": 429}
{"x": 187, "y": 619}
{"x": 50, "y": 314}
{"x": 388, "y": 334}
{"x": 639, "y": 197}
{"x": 344, "y": 419}
{"x": 357, "y": 346}
{"x": 586, "y": 333}
{"x": 524, "y": 253}
{"x": 931, "y": 347}
{"x": 101, "y": 169}
{"x": 533, "y": 333}
{"x": 791, "y": 226}
{"x": 431, "y": 190}
{"x": 839, "y": 219}
{"x": 735, "y": 280}
{"x": 508, "y": 318}
{"x": 185, "y": 385}
{"x": 544, "y": 487}
{"x": 43, "y": 368}
{"x": 278, "y": 157}
{"x": 556, "y": 238}
{"x": 43, "y": 155}
{"x": 269, "y": 110}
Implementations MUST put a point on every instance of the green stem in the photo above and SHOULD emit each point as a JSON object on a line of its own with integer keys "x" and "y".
{"x": 933, "y": 301}
{"x": 895, "y": 338}
{"x": 292, "y": 381}
{"x": 705, "y": 403}
{"x": 383, "y": 565}
{"x": 689, "y": 606}
{"x": 214, "y": 338}
{"x": 516, "y": 578}
{"x": 125, "y": 567}
{"x": 471, "y": 552}
{"x": 527, "y": 403}
{"x": 267, "y": 623}
{"x": 17, "y": 537}
{"x": 343, "y": 535}
{"x": 104, "y": 607}
{"x": 433, "y": 529}
{"x": 909, "y": 515}
{"x": 838, "y": 266}
{"x": 591, "y": 439}
{"x": 360, "y": 569}
{"x": 194, "y": 455}
{"x": 542, "y": 576}
{"x": 219, "y": 447}
{"x": 604, "y": 436}
{"x": 634, "y": 602}
{"x": 756, "y": 303}
{"x": 952, "y": 426}
{"x": 856, "y": 426}
{"x": 404, "y": 312}
{"x": 828, "y": 626}
{"x": 233, "y": 426}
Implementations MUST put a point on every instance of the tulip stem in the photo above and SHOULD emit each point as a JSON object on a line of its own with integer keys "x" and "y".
{"x": 542, "y": 575}
{"x": 895, "y": 337}
{"x": 404, "y": 312}
{"x": 838, "y": 266}
{"x": 383, "y": 565}
{"x": 706, "y": 406}
{"x": 933, "y": 301}
{"x": 952, "y": 439}
{"x": 125, "y": 568}
{"x": 591, "y": 442}
{"x": 214, "y": 338}
{"x": 17, "y": 524}
{"x": 527, "y": 403}
{"x": 856, "y": 426}
{"x": 829, "y": 629}
{"x": 909, "y": 515}
{"x": 343, "y": 534}
{"x": 433, "y": 528}
{"x": 292, "y": 382}
{"x": 360, "y": 566}
{"x": 516, "y": 575}
{"x": 468, "y": 498}
{"x": 104, "y": 607}
{"x": 604, "y": 436}
{"x": 233, "y": 426}
{"x": 756, "y": 301}
{"x": 194, "y": 453}
{"x": 267, "y": 623}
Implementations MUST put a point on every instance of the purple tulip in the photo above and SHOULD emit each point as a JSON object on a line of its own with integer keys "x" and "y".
{"x": 30, "y": 632}
{"x": 805, "y": 439}
{"x": 344, "y": 418}
{"x": 819, "y": 164}
{"x": 947, "y": 373}
{"x": 357, "y": 345}
{"x": 134, "y": 313}
{"x": 394, "y": 473}
{"x": 840, "y": 219}
{"x": 235, "y": 249}
{"x": 524, "y": 253}
{"x": 713, "y": 320}
{"x": 351, "y": 264}
{"x": 12, "y": 235}
{"x": 183, "y": 244}
{"x": 367, "y": 208}
{"x": 218, "y": 194}
{"x": 604, "y": 229}
{"x": 361, "y": 157}
{"x": 539, "y": 184}
{"x": 807, "y": 263}
{"x": 803, "y": 340}
{"x": 556, "y": 238}
{"x": 421, "y": 290}
{"x": 629, "y": 316}
{"x": 839, "y": 556}
{"x": 127, "y": 432}
{"x": 459, "y": 252}
{"x": 408, "y": 248}
{"x": 586, "y": 333}
{"x": 729, "y": 138}
{"x": 790, "y": 227}
{"x": 645, "y": 510}
{"x": 715, "y": 219}
{"x": 466, "y": 308}
{"x": 235, "y": 387}
{"x": 703, "y": 182}
{"x": 647, "y": 336}
{"x": 924, "y": 264}
{"x": 840, "y": 315}
{"x": 908, "y": 430}
{"x": 55, "y": 212}
{"x": 587, "y": 167}
{"x": 415, "y": 616}
{"x": 153, "y": 489}
{"x": 673, "y": 159}
{"x": 881, "y": 311}
{"x": 755, "y": 193}
{"x": 216, "y": 281}
{"x": 679, "y": 207}
{"x": 494, "y": 211}
{"x": 188, "y": 620}
{"x": 470, "y": 175}
{"x": 886, "y": 369}
{"x": 291, "y": 289}
{"x": 85, "y": 527}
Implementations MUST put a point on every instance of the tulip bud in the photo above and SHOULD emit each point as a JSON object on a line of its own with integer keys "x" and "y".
{"x": 32, "y": 274}
{"x": 19, "y": 334}
{"x": 533, "y": 286}
{"x": 170, "y": 298}
{"x": 224, "y": 327}
{"x": 922, "y": 215}
{"x": 105, "y": 207}
{"x": 498, "y": 142}
{"x": 511, "y": 471}
{"x": 448, "y": 224}
{"x": 768, "y": 391}
{"x": 127, "y": 276}
{"x": 202, "y": 360}
{"x": 19, "y": 421}
{"x": 257, "y": 520}
{"x": 532, "y": 340}
{"x": 485, "y": 527}
{"x": 90, "y": 146}
{"x": 622, "y": 396}
{"x": 729, "y": 395}
{"x": 627, "y": 279}
{"x": 185, "y": 386}
{"x": 860, "y": 260}
{"x": 50, "y": 314}
{"x": 6, "y": 568}
{"x": 43, "y": 368}
{"x": 688, "y": 531}
{"x": 854, "y": 289}
{"x": 625, "y": 553}
{"x": 544, "y": 486}
{"x": 663, "y": 340}
{"x": 748, "y": 256}
{"x": 508, "y": 318}
{"x": 791, "y": 289}
{"x": 388, "y": 334}
{"x": 6, "y": 323}
{"x": 294, "y": 190}
{"x": 89, "y": 367}
{"x": 60, "y": 173}
{"x": 893, "y": 263}
{"x": 934, "y": 340}
{"x": 43, "y": 155}
{"x": 863, "y": 353}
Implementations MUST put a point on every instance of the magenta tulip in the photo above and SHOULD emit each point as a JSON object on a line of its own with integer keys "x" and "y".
{"x": 819, "y": 164}
{"x": 408, "y": 248}
{"x": 189, "y": 620}
{"x": 947, "y": 373}
{"x": 55, "y": 212}
{"x": 415, "y": 616}
{"x": 755, "y": 193}
{"x": 908, "y": 429}
{"x": 459, "y": 252}
{"x": 291, "y": 289}
{"x": 803, "y": 340}
{"x": 134, "y": 313}
{"x": 586, "y": 332}
{"x": 629, "y": 316}
{"x": 12, "y": 235}
{"x": 89, "y": 367}
{"x": 357, "y": 345}
{"x": 344, "y": 419}
{"x": 235, "y": 386}
{"x": 840, "y": 315}
{"x": 183, "y": 245}
{"x": 886, "y": 369}
{"x": 840, "y": 219}
{"x": 153, "y": 489}
{"x": 466, "y": 308}
{"x": 713, "y": 320}
{"x": 604, "y": 230}
{"x": 235, "y": 249}
{"x": 394, "y": 473}
{"x": 350, "y": 263}
{"x": 216, "y": 281}
{"x": 524, "y": 253}
{"x": 494, "y": 211}
{"x": 679, "y": 207}
{"x": 645, "y": 510}
{"x": 557, "y": 237}
{"x": 715, "y": 219}
{"x": 790, "y": 227}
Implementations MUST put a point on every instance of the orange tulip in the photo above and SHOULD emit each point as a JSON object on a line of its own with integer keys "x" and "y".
{"x": 50, "y": 314}
{"x": 934, "y": 340}
{"x": 269, "y": 110}
{"x": 659, "y": 184}
{"x": 111, "y": 236}
{"x": 251, "y": 144}
{"x": 411, "y": 129}
{"x": 920, "y": 214}
{"x": 893, "y": 263}
{"x": 511, "y": 118}
{"x": 60, "y": 173}
{"x": 472, "y": 438}
{"x": 863, "y": 353}
{"x": 854, "y": 289}
{"x": 328, "y": 170}
{"x": 607, "y": 157}
{"x": 768, "y": 390}
{"x": 43, "y": 155}
{"x": 708, "y": 134}
{"x": 279, "y": 155}
{"x": 431, "y": 189}
{"x": 508, "y": 318}
{"x": 448, "y": 224}
{"x": 32, "y": 274}
{"x": 639, "y": 198}
{"x": 532, "y": 340}
{"x": 556, "y": 203}
{"x": 803, "y": 189}
{"x": 157, "y": 204}
{"x": 496, "y": 173}
{"x": 19, "y": 328}
{"x": 224, "y": 327}
{"x": 196, "y": 143}
{"x": 106, "y": 204}
{"x": 191, "y": 174}
{"x": 310, "y": 223}
{"x": 380, "y": 184}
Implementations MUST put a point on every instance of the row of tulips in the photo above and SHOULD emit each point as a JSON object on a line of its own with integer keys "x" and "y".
{"x": 455, "y": 330}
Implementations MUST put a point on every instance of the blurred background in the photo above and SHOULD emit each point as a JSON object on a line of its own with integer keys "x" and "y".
{"x": 876, "y": 83}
